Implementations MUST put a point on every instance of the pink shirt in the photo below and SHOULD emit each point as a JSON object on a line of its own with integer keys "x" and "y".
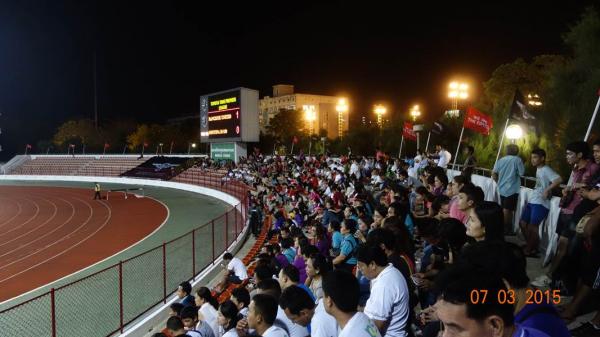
{"x": 581, "y": 175}
{"x": 455, "y": 212}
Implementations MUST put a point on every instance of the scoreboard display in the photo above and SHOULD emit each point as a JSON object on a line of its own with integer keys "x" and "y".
{"x": 230, "y": 115}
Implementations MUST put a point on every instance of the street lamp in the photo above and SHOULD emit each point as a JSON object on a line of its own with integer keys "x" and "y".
{"x": 380, "y": 110}
{"x": 415, "y": 113}
{"x": 457, "y": 91}
{"x": 341, "y": 107}
{"x": 534, "y": 100}
{"x": 310, "y": 116}
{"x": 190, "y": 146}
{"x": 514, "y": 132}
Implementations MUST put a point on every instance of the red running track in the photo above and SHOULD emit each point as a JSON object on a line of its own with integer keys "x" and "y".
{"x": 47, "y": 233}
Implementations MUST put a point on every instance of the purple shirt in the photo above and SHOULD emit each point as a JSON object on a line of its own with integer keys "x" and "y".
{"x": 323, "y": 247}
{"x": 282, "y": 260}
{"x": 301, "y": 266}
{"x": 542, "y": 317}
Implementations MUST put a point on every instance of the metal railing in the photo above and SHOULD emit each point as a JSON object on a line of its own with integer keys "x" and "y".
{"x": 103, "y": 303}
{"x": 525, "y": 180}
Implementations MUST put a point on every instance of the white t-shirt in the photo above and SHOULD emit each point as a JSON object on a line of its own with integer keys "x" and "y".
{"x": 293, "y": 329}
{"x": 323, "y": 324}
{"x": 445, "y": 158}
{"x": 209, "y": 315}
{"x": 239, "y": 269}
{"x": 275, "y": 331}
{"x": 389, "y": 301}
{"x": 544, "y": 177}
{"x": 360, "y": 326}
{"x": 230, "y": 333}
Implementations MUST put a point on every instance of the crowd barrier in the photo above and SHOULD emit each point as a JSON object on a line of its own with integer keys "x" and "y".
{"x": 547, "y": 231}
{"x": 106, "y": 301}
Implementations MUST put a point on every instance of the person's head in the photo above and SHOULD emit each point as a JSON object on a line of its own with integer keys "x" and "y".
{"x": 286, "y": 243}
{"x": 262, "y": 311}
{"x": 453, "y": 232}
{"x": 297, "y": 305}
{"x": 175, "y": 326}
{"x": 439, "y": 147}
{"x": 457, "y": 183}
{"x": 402, "y": 174}
{"x": 203, "y": 295}
{"x": 175, "y": 309}
{"x": 469, "y": 196}
{"x": 240, "y": 297}
{"x": 317, "y": 266}
{"x": 270, "y": 287}
{"x": 340, "y": 292}
{"x": 469, "y": 150}
{"x": 334, "y": 226}
{"x": 184, "y": 289}
{"x": 441, "y": 204}
{"x": 262, "y": 272}
{"x": 577, "y": 151}
{"x": 348, "y": 226}
{"x": 538, "y": 157}
{"x": 486, "y": 222}
{"x": 288, "y": 276}
{"x": 596, "y": 151}
{"x": 227, "y": 316}
{"x": 189, "y": 316}
{"x": 461, "y": 306}
{"x": 227, "y": 257}
{"x": 512, "y": 149}
{"x": 371, "y": 260}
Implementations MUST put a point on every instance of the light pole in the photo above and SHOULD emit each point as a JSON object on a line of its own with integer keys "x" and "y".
{"x": 379, "y": 110}
{"x": 341, "y": 107}
{"x": 415, "y": 113}
{"x": 190, "y": 146}
{"x": 457, "y": 91}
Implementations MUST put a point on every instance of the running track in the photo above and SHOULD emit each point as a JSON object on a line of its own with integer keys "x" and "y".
{"x": 48, "y": 233}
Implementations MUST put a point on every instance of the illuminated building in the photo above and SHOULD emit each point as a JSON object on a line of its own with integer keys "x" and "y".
{"x": 284, "y": 98}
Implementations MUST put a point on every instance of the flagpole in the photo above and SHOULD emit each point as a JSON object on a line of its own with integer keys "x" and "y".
{"x": 104, "y": 151}
{"x": 458, "y": 147}
{"x": 292, "y": 151}
{"x": 171, "y": 148}
{"x": 124, "y": 149}
{"x": 401, "y": 144}
{"x": 418, "y": 140}
{"x": 427, "y": 145}
{"x": 26, "y": 148}
{"x": 309, "y": 146}
{"x": 501, "y": 141}
{"x": 587, "y": 134}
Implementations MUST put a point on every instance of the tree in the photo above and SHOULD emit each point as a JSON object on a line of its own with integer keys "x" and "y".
{"x": 78, "y": 132}
{"x": 286, "y": 123}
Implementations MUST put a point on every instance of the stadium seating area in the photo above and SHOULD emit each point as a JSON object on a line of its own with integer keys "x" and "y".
{"x": 78, "y": 166}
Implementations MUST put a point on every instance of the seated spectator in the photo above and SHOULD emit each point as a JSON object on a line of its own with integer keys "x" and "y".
{"x": 301, "y": 309}
{"x": 184, "y": 293}
{"x": 388, "y": 304}
{"x": 336, "y": 238}
{"x": 290, "y": 276}
{"x": 340, "y": 300}
{"x": 468, "y": 197}
{"x": 486, "y": 222}
{"x": 288, "y": 250}
{"x": 193, "y": 326}
{"x": 320, "y": 240}
{"x": 175, "y": 309}
{"x": 241, "y": 298}
{"x": 316, "y": 268}
{"x": 262, "y": 313}
{"x": 236, "y": 271}
{"x": 347, "y": 259}
{"x": 453, "y": 190}
{"x": 175, "y": 327}
{"x": 228, "y": 319}
{"x": 207, "y": 305}
{"x": 440, "y": 184}
{"x": 272, "y": 288}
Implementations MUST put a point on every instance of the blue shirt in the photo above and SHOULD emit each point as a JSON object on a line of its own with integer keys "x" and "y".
{"x": 542, "y": 317}
{"x": 308, "y": 291}
{"x": 348, "y": 247}
{"x": 290, "y": 254}
{"x": 509, "y": 170}
{"x": 336, "y": 239}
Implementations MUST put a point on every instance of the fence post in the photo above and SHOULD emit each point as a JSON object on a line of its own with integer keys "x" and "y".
{"x": 164, "y": 249}
{"x": 193, "y": 253}
{"x": 53, "y": 311}
{"x": 226, "y": 230}
{"x": 213, "y": 240}
{"x": 121, "y": 295}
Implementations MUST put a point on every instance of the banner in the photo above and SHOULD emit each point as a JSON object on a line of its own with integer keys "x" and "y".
{"x": 518, "y": 108}
{"x": 408, "y": 133}
{"x": 478, "y": 121}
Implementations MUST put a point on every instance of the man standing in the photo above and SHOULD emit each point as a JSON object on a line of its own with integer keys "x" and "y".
{"x": 538, "y": 206}
{"x": 444, "y": 156}
{"x": 470, "y": 162}
{"x": 97, "y": 195}
{"x": 507, "y": 173}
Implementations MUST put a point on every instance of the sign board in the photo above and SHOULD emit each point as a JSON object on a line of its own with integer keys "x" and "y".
{"x": 229, "y": 116}
{"x": 418, "y": 127}
{"x": 223, "y": 151}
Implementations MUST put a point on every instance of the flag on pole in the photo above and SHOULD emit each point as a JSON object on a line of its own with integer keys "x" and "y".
{"x": 408, "y": 133}
{"x": 71, "y": 145}
{"x": 518, "y": 109}
{"x": 106, "y": 145}
{"x": 478, "y": 121}
{"x": 29, "y": 146}
{"x": 438, "y": 128}
{"x": 145, "y": 144}
{"x": 295, "y": 140}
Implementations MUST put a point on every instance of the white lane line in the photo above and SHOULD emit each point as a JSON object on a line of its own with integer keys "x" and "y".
{"x": 16, "y": 215}
{"x": 37, "y": 211}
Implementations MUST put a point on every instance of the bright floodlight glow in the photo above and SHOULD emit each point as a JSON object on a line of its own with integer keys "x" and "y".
{"x": 342, "y": 105}
{"x": 514, "y": 132}
{"x": 453, "y": 85}
{"x": 380, "y": 109}
{"x": 194, "y": 145}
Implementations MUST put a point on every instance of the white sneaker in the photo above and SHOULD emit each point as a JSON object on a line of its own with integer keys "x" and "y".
{"x": 541, "y": 281}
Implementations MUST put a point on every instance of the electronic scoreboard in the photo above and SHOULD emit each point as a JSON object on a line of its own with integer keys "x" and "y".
{"x": 229, "y": 116}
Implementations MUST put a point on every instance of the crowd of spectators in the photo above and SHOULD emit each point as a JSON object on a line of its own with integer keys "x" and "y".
{"x": 389, "y": 247}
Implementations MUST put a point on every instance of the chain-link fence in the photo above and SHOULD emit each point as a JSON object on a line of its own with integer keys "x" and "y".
{"x": 103, "y": 303}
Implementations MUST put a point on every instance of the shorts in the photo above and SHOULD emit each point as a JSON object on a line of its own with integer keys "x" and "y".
{"x": 510, "y": 202}
{"x": 534, "y": 214}
{"x": 565, "y": 226}
{"x": 232, "y": 278}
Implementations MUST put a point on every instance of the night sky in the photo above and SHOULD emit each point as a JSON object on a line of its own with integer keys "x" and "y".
{"x": 154, "y": 59}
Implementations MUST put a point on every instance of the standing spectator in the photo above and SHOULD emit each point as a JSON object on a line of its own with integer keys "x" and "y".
{"x": 207, "y": 311}
{"x": 97, "y": 195}
{"x": 444, "y": 156}
{"x": 347, "y": 259}
{"x": 340, "y": 300}
{"x": 470, "y": 162}
{"x": 184, "y": 293}
{"x": 537, "y": 208}
{"x": 301, "y": 309}
{"x": 388, "y": 304}
{"x": 507, "y": 173}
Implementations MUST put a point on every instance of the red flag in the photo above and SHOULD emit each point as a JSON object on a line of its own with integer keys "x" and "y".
{"x": 106, "y": 145}
{"x": 145, "y": 144}
{"x": 71, "y": 145}
{"x": 408, "y": 133}
{"x": 29, "y": 146}
{"x": 478, "y": 121}
{"x": 295, "y": 140}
